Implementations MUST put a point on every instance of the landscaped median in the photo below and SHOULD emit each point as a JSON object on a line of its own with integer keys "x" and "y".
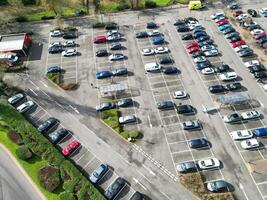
{"x": 56, "y": 177}
{"x": 194, "y": 183}
{"x": 58, "y": 79}
{"x": 111, "y": 119}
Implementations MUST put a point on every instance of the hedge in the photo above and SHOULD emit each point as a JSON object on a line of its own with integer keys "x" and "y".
{"x": 66, "y": 196}
{"x": 49, "y": 178}
{"x": 23, "y": 153}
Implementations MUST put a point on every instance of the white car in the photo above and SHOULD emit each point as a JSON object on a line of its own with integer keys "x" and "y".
{"x": 116, "y": 56}
{"x": 179, "y": 94}
{"x": 241, "y": 134}
{"x": 207, "y": 71}
{"x": 154, "y": 33}
{"x": 127, "y": 119}
{"x": 161, "y": 50}
{"x": 219, "y": 18}
{"x": 56, "y": 33}
{"x": 250, "y": 143}
{"x": 263, "y": 10}
{"x": 240, "y": 48}
{"x": 55, "y": 44}
{"x": 216, "y": 15}
{"x": 242, "y": 16}
{"x": 256, "y": 31}
{"x": 264, "y": 87}
{"x": 209, "y": 163}
{"x": 193, "y": 26}
{"x": 25, "y": 106}
{"x": 112, "y": 32}
{"x": 212, "y": 52}
{"x": 152, "y": 67}
{"x": 69, "y": 52}
{"x": 252, "y": 63}
{"x": 15, "y": 99}
{"x": 207, "y": 47}
{"x": 252, "y": 114}
{"x": 148, "y": 52}
{"x": 228, "y": 76}
{"x": 200, "y": 59}
{"x": 69, "y": 43}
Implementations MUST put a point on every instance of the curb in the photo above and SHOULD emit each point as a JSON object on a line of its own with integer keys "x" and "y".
{"x": 23, "y": 172}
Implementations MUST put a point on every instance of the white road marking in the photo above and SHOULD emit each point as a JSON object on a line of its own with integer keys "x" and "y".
{"x": 149, "y": 121}
{"x": 242, "y": 188}
{"x": 149, "y": 170}
{"x": 43, "y": 84}
{"x": 33, "y": 92}
{"x": 136, "y": 180}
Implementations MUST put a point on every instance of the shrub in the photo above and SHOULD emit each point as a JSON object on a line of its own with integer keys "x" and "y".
{"x": 66, "y": 196}
{"x": 83, "y": 193}
{"x": 47, "y": 17}
{"x": 21, "y": 19}
{"x": 70, "y": 184}
{"x": 69, "y": 86}
{"x": 15, "y": 137}
{"x": 54, "y": 77}
{"x": 133, "y": 134}
{"x": 23, "y": 153}
{"x": 3, "y": 2}
{"x": 111, "y": 118}
{"x": 123, "y": 6}
{"x": 99, "y": 25}
{"x": 70, "y": 28}
{"x": 28, "y": 2}
{"x": 150, "y": 4}
{"x": 49, "y": 177}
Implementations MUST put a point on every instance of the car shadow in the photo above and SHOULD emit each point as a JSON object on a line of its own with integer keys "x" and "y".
{"x": 130, "y": 73}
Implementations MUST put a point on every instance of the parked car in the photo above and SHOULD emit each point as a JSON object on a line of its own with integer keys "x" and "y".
{"x": 179, "y": 94}
{"x": 200, "y": 59}
{"x": 100, "y": 39}
{"x": 207, "y": 71}
{"x": 207, "y": 48}
{"x": 217, "y": 186}
{"x": 69, "y": 52}
{"x": 105, "y": 106}
{"x": 111, "y": 26}
{"x": 231, "y": 35}
{"x": 252, "y": 63}
{"x": 163, "y": 105}
{"x": 259, "y": 36}
{"x": 216, "y": 89}
{"x": 252, "y": 114}
{"x": 199, "y": 34}
{"x": 211, "y": 53}
{"x": 16, "y": 98}
{"x": 260, "y": 132}
{"x": 206, "y": 42}
{"x": 120, "y": 71}
{"x": 256, "y": 68}
{"x": 216, "y": 15}
{"x": 198, "y": 143}
{"x": 228, "y": 76}
{"x": 200, "y": 66}
{"x": 193, "y": 50}
{"x": 185, "y": 109}
{"x": 237, "y": 13}
{"x": 189, "y": 45}
{"x": 238, "y": 43}
{"x": 222, "y": 68}
{"x": 232, "y": 118}
{"x": 240, "y": 48}
{"x": 56, "y": 33}
{"x": 252, "y": 12}
{"x": 220, "y": 18}
{"x": 125, "y": 102}
{"x": 157, "y": 40}
{"x": 137, "y": 196}
{"x": 69, "y": 35}
{"x": 127, "y": 119}
{"x": 47, "y": 125}
{"x": 103, "y": 74}
{"x": 114, "y": 37}
{"x": 233, "y": 86}
{"x": 101, "y": 53}
{"x": 260, "y": 74}
{"x": 141, "y": 34}
{"x": 246, "y": 53}
{"x": 191, "y": 125}
{"x": 151, "y": 25}
{"x": 55, "y": 49}
{"x": 152, "y": 67}
{"x": 170, "y": 70}
{"x": 242, "y": 17}
{"x": 182, "y": 28}
{"x": 69, "y": 43}
{"x": 115, "y": 46}
{"x": 197, "y": 54}
{"x": 148, "y": 52}
{"x": 154, "y": 33}
{"x": 116, "y": 56}
{"x": 161, "y": 50}
{"x": 66, "y": 151}
{"x": 186, "y": 167}
{"x": 98, "y": 173}
{"x": 250, "y": 143}
{"x": 234, "y": 39}
{"x": 256, "y": 31}
{"x": 165, "y": 60}
{"x": 187, "y": 36}
{"x": 223, "y": 27}
{"x": 228, "y": 30}
{"x": 222, "y": 22}
{"x": 241, "y": 134}
{"x": 55, "y": 44}
{"x": 179, "y": 22}
{"x": 112, "y": 32}
{"x": 209, "y": 163}
{"x": 233, "y": 6}
{"x": 23, "y": 108}
{"x": 114, "y": 188}
{"x": 203, "y": 38}
{"x": 58, "y": 135}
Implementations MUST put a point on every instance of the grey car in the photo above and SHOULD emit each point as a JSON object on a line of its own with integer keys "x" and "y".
{"x": 245, "y": 53}
{"x": 120, "y": 71}
{"x": 164, "y": 105}
{"x": 186, "y": 167}
{"x": 98, "y": 173}
{"x": 104, "y": 106}
{"x": 190, "y": 125}
{"x": 15, "y": 99}
{"x": 216, "y": 186}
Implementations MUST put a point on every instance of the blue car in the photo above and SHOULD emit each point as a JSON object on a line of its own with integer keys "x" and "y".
{"x": 98, "y": 173}
{"x": 199, "y": 34}
{"x": 260, "y": 132}
{"x": 157, "y": 40}
{"x": 53, "y": 69}
{"x": 225, "y": 26}
{"x": 103, "y": 74}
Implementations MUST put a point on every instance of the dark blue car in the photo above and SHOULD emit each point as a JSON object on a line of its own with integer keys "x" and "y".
{"x": 53, "y": 69}
{"x": 157, "y": 40}
{"x": 198, "y": 143}
{"x": 260, "y": 132}
{"x": 103, "y": 74}
{"x": 203, "y": 38}
{"x": 151, "y": 25}
{"x": 202, "y": 65}
{"x": 199, "y": 34}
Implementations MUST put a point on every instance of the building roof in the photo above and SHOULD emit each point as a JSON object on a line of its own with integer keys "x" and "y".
{"x": 112, "y": 89}
{"x": 11, "y": 42}
{"x": 233, "y": 99}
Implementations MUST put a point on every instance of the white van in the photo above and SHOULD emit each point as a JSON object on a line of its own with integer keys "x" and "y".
{"x": 152, "y": 67}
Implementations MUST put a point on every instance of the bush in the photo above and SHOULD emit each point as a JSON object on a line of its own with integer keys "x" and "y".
{"x": 70, "y": 29}
{"x": 111, "y": 118}
{"x": 49, "y": 178}
{"x": 99, "y": 25}
{"x": 69, "y": 86}
{"x": 15, "y": 137}
{"x": 54, "y": 77}
{"x": 23, "y": 153}
{"x": 21, "y": 19}
{"x": 47, "y": 17}
{"x": 123, "y": 6}
{"x": 150, "y": 4}
{"x": 3, "y": 2}
{"x": 70, "y": 185}
{"x": 83, "y": 193}
{"x": 29, "y": 2}
{"x": 66, "y": 196}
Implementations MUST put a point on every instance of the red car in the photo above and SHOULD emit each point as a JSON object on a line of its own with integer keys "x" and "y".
{"x": 100, "y": 39}
{"x": 259, "y": 36}
{"x": 70, "y": 148}
{"x": 193, "y": 49}
{"x": 222, "y": 22}
{"x": 237, "y": 13}
{"x": 238, "y": 43}
{"x": 191, "y": 44}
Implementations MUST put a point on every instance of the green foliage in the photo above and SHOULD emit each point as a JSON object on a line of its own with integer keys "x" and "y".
{"x": 28, "y": 2}
{"x": 3, "y": 2}
{"x": 21, "y": 18}
{"x": 15, "y": 137}
{"x": 123, "y": 6}
{"x": 150, "y": 4}
{"x": 111, "y": 118}
{"x": 23, "y": 153}
{"x": 69, "y": 185}
{"x": 49, "y": 178}
{"x": 66, "y": 196}
{"x": 54, "y": 77}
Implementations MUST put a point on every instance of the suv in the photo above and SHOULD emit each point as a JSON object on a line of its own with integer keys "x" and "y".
{"x": 47, "y": 125}
{"x": 163, "y": 105}
{"x": 114, "y": 188}
{"x": 185, "y": 109}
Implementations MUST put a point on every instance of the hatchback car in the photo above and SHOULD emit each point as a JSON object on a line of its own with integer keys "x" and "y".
{"x": 217, "y": 186}
{"x": 101, "y": 53}
{"x": 164, "y": 105}
{"x": 114, "y": 188}
{"x": 100, "y": 39}
{"x": 232, "y": 118}
{"x": 47, "y": 125}
{"x": 98, "y": 173}
{"x": 15, "y": 99}
{"x": 127, "y": 119}
{"x": 191, "y": 125}
{"x": 169, "y": 70}
{"x": 185, "y": 109}
{"x": 186, "y": 167}
{"x": 115, "y": 46}
{"x": 25, "y": 107}
{"x": 58, "y": 135}
{"x": 103, "y": 74}
{"x": 125, "y": 102}
{"x": 66, "y": 151}
{"x": 198, "y": 143}
{"x": 116, "y": 56}
{"x": 105, "y": 106}
{"x": 69, "y": 52}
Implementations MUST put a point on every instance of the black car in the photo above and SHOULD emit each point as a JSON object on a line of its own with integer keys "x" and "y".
{"x": 125, "y": 102}
{"x": 246, "y": 53}
{"x": 186, "y": 167}
{"x": 141, "y": 34}
{"x": 47, "y": 125}
{"x": 188, "y": 19}
{"x": 58, "y": 135}
{"x": 69, "y": 35}
{"x": 200, "y": 34}
{"x": 101, "y": 53}
{"x": 187, "y": 36}
{"x": 53, "y": 69}
{"x": 254, "y": 26}
{"x": 222, "y": 68}
{"x": 169, "y": 70}
{"x": 179, "y": 22}
{"x": 197, "y": 54}
{"x": 234, "y": 38}
{"x": 262, "y": 40}
{"x": 165, "y": 60}
{"x": 198, "y": 30}
{"x": 114, "y": 188}
{"x": 55, "y": 49}
{"x": 185, "y": 109}
{"x": 151, "y": 25}
{"x": 204, "y": 43}
{"x": 231, "y": 35}
{"x": 252, "y": 12}
{"x": 182, "y": 28}
{"x": 216, "y": 89}
{"x": 256, "y": 68}
{"x": 233, "y": 86}
{"x": 228, "y": 30}
{"x": 198, "y": 143}
{"x": 120, "y": 71}
{"x": 111, "y": 26}
{"x": 202, "y": 65}
{"x": 163, "y": 105}
{"x": 115, "y": 46}
{"x": 203, "y": 38}
{"x": 137, "y": 196}
{"x": 261, "y": 74}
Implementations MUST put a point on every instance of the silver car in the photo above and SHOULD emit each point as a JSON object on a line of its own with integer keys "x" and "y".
{"x": 25, "y": 106}
{"x": 127, "y": 119}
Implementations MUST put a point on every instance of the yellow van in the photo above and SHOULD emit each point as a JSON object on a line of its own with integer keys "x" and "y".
{"x": 195, "y": 5}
